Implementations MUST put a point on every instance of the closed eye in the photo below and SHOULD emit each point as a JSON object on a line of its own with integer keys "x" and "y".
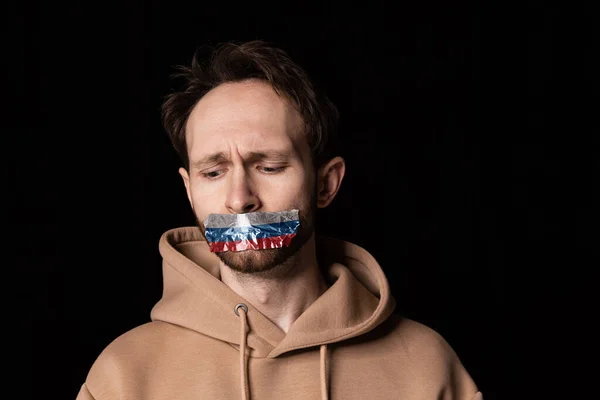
{"x": 271, "y": 170}
{"x": 212, "y": 174}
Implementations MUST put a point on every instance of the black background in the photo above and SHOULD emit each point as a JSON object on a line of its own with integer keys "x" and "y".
{"x": 469, "y": 134}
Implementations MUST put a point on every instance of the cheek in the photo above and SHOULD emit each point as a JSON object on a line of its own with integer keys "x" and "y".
{"x": 202, "y": 192}
{"x": 289, "y": 191}
{"x": 204, "y": 199}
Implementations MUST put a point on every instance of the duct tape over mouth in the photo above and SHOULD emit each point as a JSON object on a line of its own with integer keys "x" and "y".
{"x": 251, "y": 231}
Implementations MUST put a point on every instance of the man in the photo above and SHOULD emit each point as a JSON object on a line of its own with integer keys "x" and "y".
{"x": 255, "y": 305}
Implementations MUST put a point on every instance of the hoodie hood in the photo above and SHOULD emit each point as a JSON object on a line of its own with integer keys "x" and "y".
{"x": 194, "y": 297}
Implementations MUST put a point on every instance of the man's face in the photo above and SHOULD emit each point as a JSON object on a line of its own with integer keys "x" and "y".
{"x": 248, "y": 152}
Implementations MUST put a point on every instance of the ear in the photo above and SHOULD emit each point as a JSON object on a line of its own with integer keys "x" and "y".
{"x": 186, "y": 181}
{"x": 329, "y": 180}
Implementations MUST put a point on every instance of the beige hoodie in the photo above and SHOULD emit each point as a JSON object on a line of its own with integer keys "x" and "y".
{"x": 347, "y": 345}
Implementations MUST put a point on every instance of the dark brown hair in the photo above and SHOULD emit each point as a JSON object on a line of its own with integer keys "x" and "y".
{"x": 234, "y": 62}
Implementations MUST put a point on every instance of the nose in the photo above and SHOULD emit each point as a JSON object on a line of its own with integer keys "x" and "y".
{"x": 241, "y": 198}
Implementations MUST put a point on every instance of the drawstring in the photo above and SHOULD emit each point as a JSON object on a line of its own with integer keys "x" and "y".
{"x": 324, "y": 373}
{"x": 244, "y": 364}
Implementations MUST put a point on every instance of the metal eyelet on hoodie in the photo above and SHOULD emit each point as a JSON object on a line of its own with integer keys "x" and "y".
{"x": 235, "y": 309}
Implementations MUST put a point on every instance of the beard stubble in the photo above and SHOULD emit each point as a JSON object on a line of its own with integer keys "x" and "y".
{"x": 260, "y": 261}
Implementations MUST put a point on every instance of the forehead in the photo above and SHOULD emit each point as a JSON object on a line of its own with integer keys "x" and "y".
{"x": 249, "y": 116}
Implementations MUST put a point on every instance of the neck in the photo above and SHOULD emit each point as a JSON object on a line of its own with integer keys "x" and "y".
{"x": 283, "y": 293}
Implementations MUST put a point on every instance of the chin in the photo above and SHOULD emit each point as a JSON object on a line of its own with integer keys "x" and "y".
{"x": 255, "y": 261}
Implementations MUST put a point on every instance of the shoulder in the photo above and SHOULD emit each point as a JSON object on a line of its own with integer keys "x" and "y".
{"x": 147, "y": 342}
{"x": 146, "y": 337}
{"x": 129, "y": 356}
{"x": 417, "y": 339}
{"x": 139, "y": 340}
{"x": 420, "y": 343}
{"x": 412, "y": 342}
{"x": 429, "y": 356}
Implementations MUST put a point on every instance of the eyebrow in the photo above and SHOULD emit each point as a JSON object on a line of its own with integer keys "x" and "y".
{"x": 253, "y": 156}
{"x": 210, "y": 159}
